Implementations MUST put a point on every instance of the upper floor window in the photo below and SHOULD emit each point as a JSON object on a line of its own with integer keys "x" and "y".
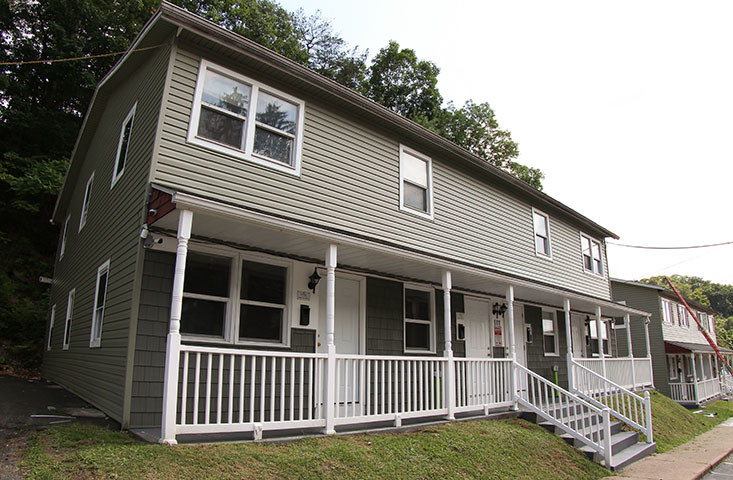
{"x": 541, "y": 233}
{"x": 85, "y": 203}
{"x": 592, "y": 260}
{"x": 123, "y": 146}
{"x": 235, "y": 299}
{"x": 100, "y": 300}
{"x": 667, "y": 316}
{"x": 549, "y": 333}
{"x": 64, "y": 234}
{"x": 682, "y": 316}
{"x": 419, "y": 329}
{"x": 238, "y": 116}
{"x": 416, "y": 190}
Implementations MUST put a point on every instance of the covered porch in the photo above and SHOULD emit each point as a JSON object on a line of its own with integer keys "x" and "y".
{"x": 696, "y": 375}
{"x": 351, "y": 334}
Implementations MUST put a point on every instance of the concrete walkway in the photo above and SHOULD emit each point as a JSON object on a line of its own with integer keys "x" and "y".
{"x": 689, "y": 461}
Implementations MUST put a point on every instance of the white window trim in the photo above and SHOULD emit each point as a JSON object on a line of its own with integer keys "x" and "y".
{"x": 86, "y": 201}
{"x": 556, "y": 335}
{"x": 64, "y": 237}
{"x": 547, "y": 255}
{"x": 248, "y": 153}
{"x": 602, "y": 273}
{"x": 429, "y": 161}
{"x": 97, "y": 342}
{"x": 50, "y": 327}
{"x": 666, "y": 319}
{"x": 231, "y": 322}
{"x": 69, "y": 314}
{"x": 130, "y": 117}
{"x": 431, "y": 322}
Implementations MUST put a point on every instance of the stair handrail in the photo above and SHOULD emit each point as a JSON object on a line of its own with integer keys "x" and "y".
{"x": 584, "y": 435}
{"x": 611, "y": 391}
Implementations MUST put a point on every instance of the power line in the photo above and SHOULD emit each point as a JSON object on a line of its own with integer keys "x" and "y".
{"x": 670, "y": 248}
{"x": 86, "y": 57}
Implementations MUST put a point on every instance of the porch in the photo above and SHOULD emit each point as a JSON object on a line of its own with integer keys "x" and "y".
{"x": 233, "y": 384}
{"x": 696, "y": 375}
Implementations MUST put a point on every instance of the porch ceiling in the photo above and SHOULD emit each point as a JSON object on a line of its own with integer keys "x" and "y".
{"x": 249, "y": 230}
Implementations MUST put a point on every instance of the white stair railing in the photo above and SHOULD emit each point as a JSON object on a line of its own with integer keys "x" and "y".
{"x": 625, "y": 405}
{"x": 587, "y": 423}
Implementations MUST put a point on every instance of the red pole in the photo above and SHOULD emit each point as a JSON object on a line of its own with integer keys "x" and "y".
{"x": 704, "y": 332}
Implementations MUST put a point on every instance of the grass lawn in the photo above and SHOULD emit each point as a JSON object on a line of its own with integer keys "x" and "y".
{"x": 674, "y": 424}
{"x": 478, "y": 449}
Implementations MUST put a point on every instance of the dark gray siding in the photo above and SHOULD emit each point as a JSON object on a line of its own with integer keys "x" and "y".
{"x": 111, "y": 232}
{"x": 645, "y": 299}
{"x": 474, "y": 222}
{"x": 536, "y": 360}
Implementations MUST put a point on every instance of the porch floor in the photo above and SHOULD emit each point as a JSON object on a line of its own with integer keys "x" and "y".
{"x": 152, "y": 435}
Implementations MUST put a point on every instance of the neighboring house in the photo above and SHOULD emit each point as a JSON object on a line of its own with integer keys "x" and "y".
{"x": 248, "y": 246}
{"x": 685, "y": 365}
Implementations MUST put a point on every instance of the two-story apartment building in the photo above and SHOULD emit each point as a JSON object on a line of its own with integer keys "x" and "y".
{"x": 248, "y": 246}
{"x": 685, "y": 365}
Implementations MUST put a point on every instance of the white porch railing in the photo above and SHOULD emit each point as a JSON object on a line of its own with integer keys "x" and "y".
{"x": 630, "y": 373}
{"x": 625, "y": 405}
{"x": 388, "y": 388}
{"x": 695, "y": 392}
{"x": 579, "y": 418}
{"x": 482, "y": 383}
{"x": 726, "y": 383}
{"x": 229, "y": 390}
{"x": 225, "y": 390}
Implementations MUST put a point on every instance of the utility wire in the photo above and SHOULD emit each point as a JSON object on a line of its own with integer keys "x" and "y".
{"x": 670, "y": 248}
{"x": 86, "y": 57}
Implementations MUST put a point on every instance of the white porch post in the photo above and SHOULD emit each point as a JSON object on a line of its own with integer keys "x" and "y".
{"x": 647, "y": 321}
{"x": 599, "y": 334}
{"x": 173, "y": 343}
{"x": 512, "y": 343}
{"x": 569, "y": 343}
{"x": 450, "y": 375}
{"x": 630, "y": 347}
{"x": 330, "y": 384}
{"x": 694, "y": 376}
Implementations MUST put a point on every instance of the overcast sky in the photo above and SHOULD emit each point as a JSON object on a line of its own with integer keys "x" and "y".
{"x": 626, "y": 106}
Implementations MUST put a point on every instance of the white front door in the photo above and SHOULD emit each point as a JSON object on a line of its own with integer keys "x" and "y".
{"x": 347, "y": 314}
{"x": 520, "y": 335}
{"x": 478, "y": 333}
{"x": 577, "y": 327}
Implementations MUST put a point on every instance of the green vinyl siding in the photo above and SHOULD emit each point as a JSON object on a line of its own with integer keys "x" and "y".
{"x": 475, "y": 220}
{"x": 111, "y": 233}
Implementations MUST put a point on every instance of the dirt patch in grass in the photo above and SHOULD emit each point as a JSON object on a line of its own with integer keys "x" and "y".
{"x": 477, "y": 449}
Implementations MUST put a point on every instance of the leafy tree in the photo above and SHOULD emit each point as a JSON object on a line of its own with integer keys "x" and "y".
{"x": 405, "y": 84}
{"x": 328, "y": 54}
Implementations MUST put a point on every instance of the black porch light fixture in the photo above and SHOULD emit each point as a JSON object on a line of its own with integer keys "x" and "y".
{"x": 313, "y": 280}
{"x": 499, "y": 309}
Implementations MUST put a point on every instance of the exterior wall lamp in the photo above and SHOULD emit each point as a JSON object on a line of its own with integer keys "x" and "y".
{"x": 313, "y": 280}
{"x": 499, "y": 309}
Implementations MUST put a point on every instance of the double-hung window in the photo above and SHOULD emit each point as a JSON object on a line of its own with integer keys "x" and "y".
{"x": 416, "y": 191}
{"x": 235, "y": 299}
{"x": 682, "y": 316}
{"x": 123, "y": 146}
{"x": 100, "y": 300}
{"x": 69, "y": 315}
{"x": 64, "y": 237}
{"x": 667, "y": 312}
{"x": 673, "y": 367}
{"x": 541, "y": 233}
{"x": 549, "y": 333}
{"x": 50, "y": 327}
{"x": 419, "y": 331}
{"x": 592, "y": 260}
{"x": 593, "y": 334}
{"x": 85, "y": 203}
{"x": 238, "y": 116}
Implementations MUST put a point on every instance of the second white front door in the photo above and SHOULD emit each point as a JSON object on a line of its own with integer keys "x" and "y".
{"x": 478, "y": 333}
